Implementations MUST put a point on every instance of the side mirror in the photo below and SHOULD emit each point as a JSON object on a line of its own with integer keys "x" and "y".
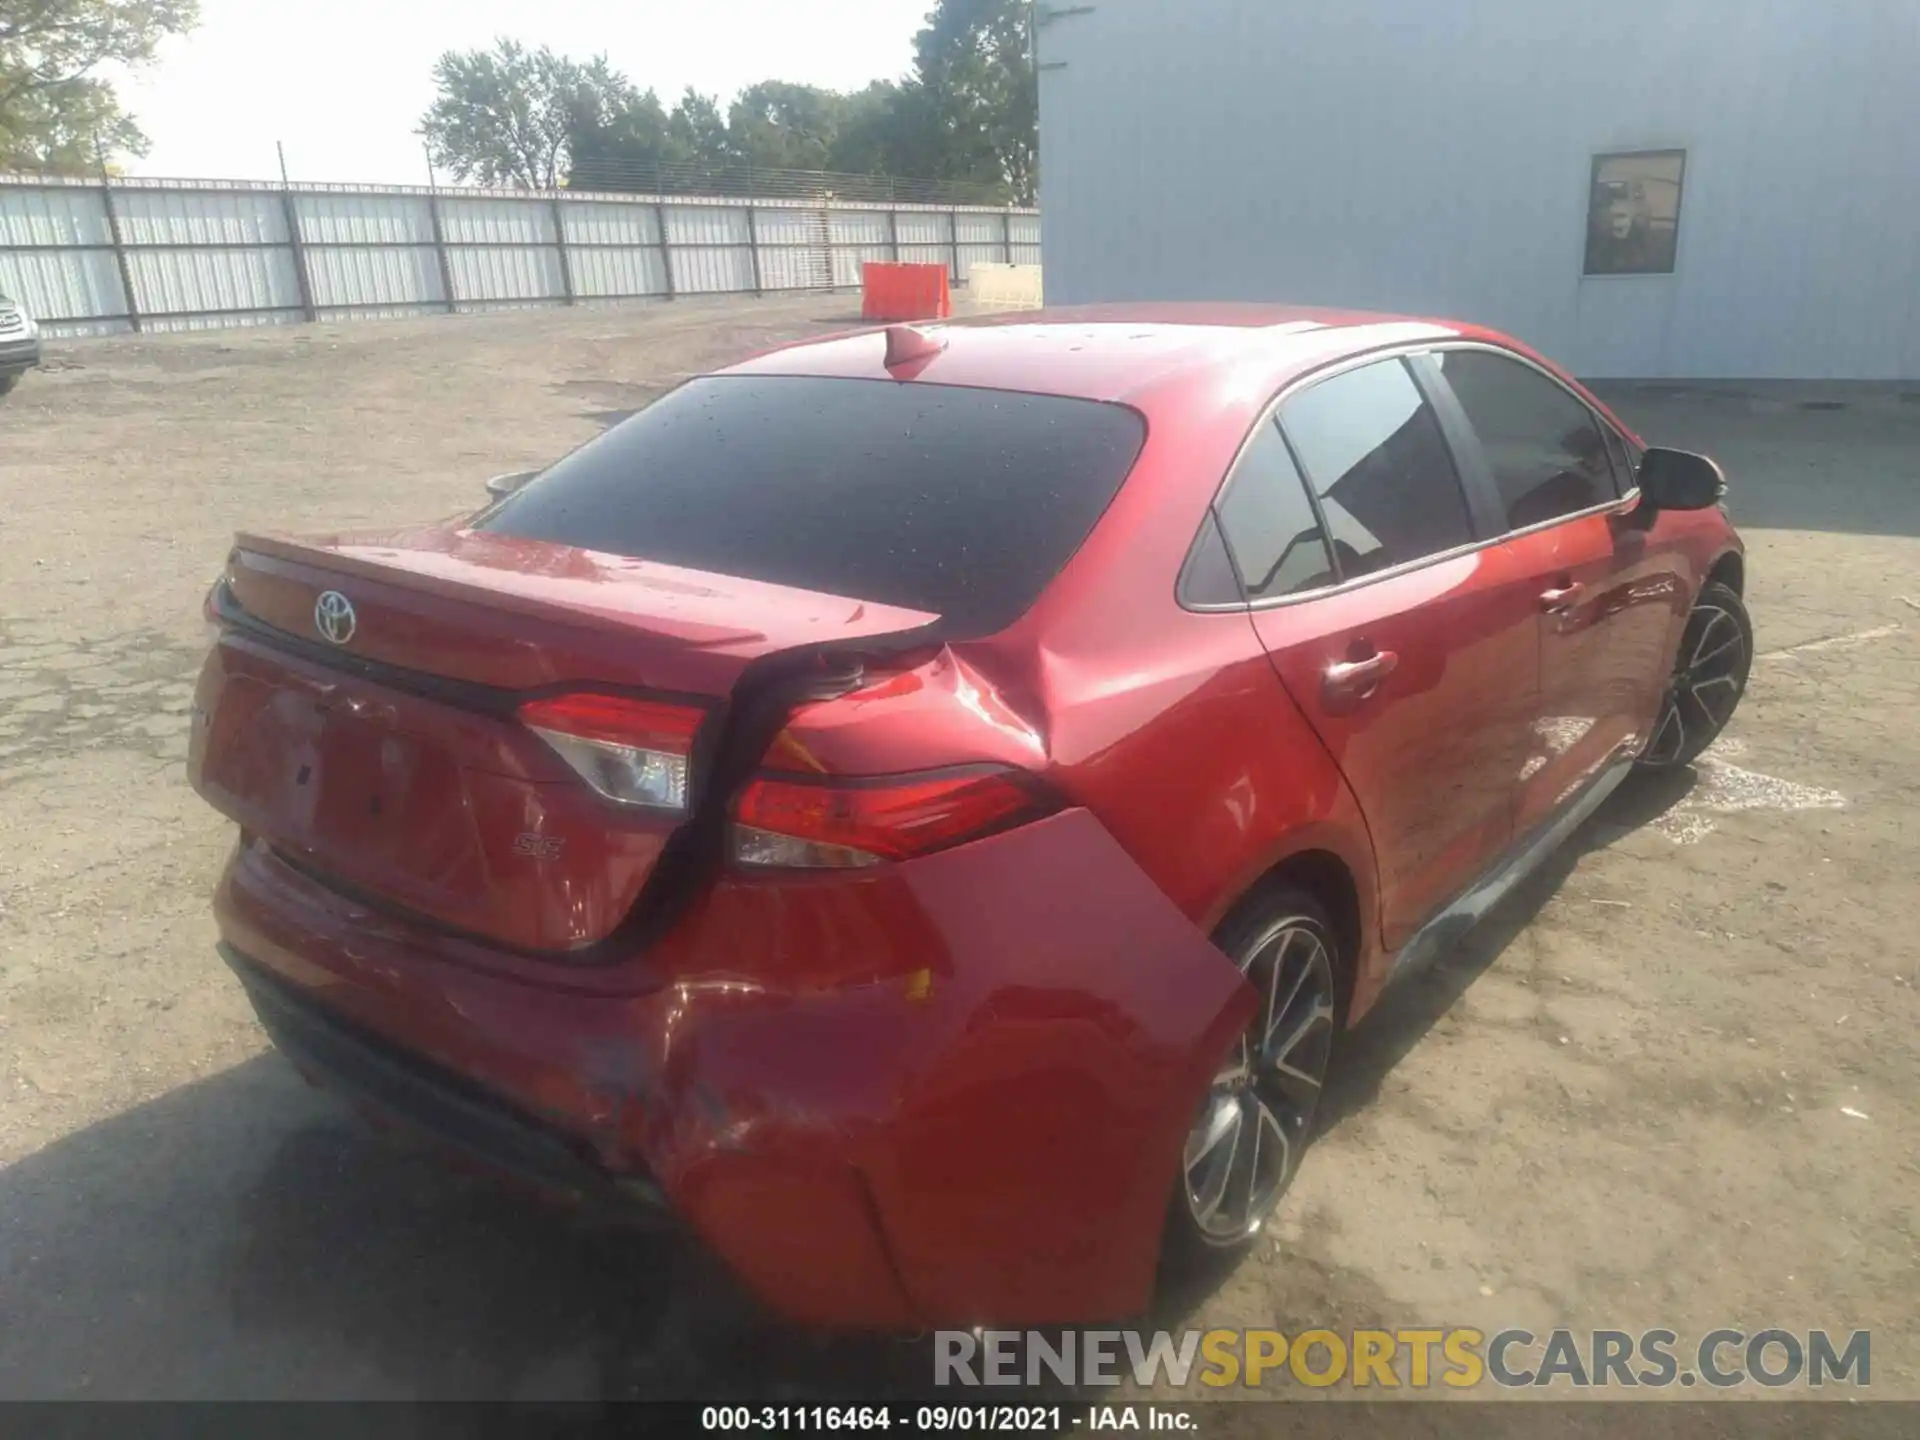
{"x": 1679, "y": 480}
{"x": 501, "y": 486}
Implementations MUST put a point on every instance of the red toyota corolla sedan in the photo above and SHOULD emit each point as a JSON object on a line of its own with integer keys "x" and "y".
{"x": 919, "y": 807}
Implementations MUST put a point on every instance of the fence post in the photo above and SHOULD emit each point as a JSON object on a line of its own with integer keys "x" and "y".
{"x": 297, "y": 247}
{"x": 440, "y": 248}
{"x": 893, "y": 229}
{"x": 560, "y": 242}
{"x": 1006, "y": 235}
{"x": 753, "y": 244}
{"x": 666, "y": 254}
{"x": 120, "y": 253}
{"x": 296, "y": 250}
{"x": 953, "y": 239}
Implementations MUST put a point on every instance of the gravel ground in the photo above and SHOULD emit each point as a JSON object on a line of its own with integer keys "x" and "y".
{"x": 1671, "y": 1083}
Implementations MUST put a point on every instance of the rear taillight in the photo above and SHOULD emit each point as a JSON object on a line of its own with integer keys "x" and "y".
{"x": 634, "y": 752}
{"x": 804, "y": 823}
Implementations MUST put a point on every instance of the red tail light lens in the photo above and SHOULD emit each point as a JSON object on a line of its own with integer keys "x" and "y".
{"x": 850, "y": 824}
{"x": 634, "y": 752}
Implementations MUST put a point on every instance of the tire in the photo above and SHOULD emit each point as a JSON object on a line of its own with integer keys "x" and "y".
{"x": 7, "y": 382}
{"x": 1710, "y": 670}
{"x": 1268, "y": 1086}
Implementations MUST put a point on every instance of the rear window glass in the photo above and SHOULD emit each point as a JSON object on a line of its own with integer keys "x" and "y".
{"x": 962, "y": 502}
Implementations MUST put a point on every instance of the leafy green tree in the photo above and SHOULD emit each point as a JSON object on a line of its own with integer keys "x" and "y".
{"x": 612, "y": 147}
{"x": 968, "y": 114}
{"x": 509, "y": 115}
{"x": 974, "y": 61}
{"x": 54, "y": 108}
{"x": 700, "y": 129}
{"x": 776, "y": 125}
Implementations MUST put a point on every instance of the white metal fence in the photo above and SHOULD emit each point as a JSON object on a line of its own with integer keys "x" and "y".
{"x": 88, "y": 257}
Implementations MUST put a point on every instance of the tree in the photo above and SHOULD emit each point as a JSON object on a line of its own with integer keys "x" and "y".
{"x": 54, "y": 111}
{"x": 699, "y": 129}
{"x": 509, "y": 116}
{"x": 779, "y": 126}
{"x": 617, "y": 148}
{"x": 974, "y": 61}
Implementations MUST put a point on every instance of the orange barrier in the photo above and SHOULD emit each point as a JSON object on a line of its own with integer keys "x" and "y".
{"x": 904, "y": 292}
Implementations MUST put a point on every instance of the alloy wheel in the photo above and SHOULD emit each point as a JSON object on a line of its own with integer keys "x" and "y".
{"x": 1709, "y": 677}
{"x": 1244, "y": 1147}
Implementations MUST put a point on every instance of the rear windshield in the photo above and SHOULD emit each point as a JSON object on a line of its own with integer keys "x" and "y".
{"x": 962, "y": 502}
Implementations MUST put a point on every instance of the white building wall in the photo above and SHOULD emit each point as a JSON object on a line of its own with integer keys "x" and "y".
{"x": 1407, "y": 155}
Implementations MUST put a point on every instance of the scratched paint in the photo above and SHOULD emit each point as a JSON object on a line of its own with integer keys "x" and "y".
{"x": 1727, "y": 789}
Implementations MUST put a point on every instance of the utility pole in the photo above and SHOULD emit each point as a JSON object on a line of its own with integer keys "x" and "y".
{"x": 296, "y": 246}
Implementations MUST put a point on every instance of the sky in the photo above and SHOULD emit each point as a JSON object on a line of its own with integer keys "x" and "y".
{"x": 343, "y": 84}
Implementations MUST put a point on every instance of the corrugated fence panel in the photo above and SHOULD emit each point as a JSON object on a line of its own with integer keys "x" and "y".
{"x": 925, "y": 237}
{"x": 66, "y": 216}
{"x": 978, "y": 228}
{"x": 385, "y": 277}
{"x": 787, "y": 225}
{"x": 82, "y": 284}
{"x": 196, "y": 282}
{"x": 925, "y": 227}
{"x": 859, "y": 227}
{"x": 714, "y": 271}
{"x": 497, "y": 222}
{"x": 706, "y": 225}
{"x": 604, "y": 271}
{"x": 207, "y": 253}
{"x": 512, "y": 273}
{"x": 610, "y": 223}
{"x": 365, "y": 219}
{"x": 847, "y": 262}
{"x": 200, "y": 217}
{"x": 789, "y": 267}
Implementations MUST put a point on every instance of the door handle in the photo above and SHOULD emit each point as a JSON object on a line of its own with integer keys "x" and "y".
{"x": 1357, "y": 679}
{"x": 1562, "y": 597}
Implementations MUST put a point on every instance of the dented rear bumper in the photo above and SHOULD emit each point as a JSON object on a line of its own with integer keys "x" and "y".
{"x": 950, "y": 1092}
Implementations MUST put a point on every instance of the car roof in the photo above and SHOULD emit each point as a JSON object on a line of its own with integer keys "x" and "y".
{"x": 1114, "y": 352}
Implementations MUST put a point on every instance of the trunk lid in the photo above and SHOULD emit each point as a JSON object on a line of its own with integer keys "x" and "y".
{"x": 375, "y": 743}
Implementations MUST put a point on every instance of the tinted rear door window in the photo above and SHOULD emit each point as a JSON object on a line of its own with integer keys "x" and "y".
{"x": 1376, "y": 458}
{"x": 962, "y": 502}
{"x": 1548, "y": 456}
{"x": 1269, "y": 523}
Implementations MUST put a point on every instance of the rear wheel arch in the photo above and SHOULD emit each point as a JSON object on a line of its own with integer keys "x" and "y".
{"x": 1729, "y": 570}
{"x": 1328, "y": 879}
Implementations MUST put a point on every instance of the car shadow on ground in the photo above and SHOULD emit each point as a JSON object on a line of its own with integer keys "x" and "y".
{"x": 1412, "y": 1006}
{"x": 245, "y": 1236}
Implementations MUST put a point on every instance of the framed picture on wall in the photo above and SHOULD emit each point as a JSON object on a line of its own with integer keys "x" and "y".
{"x": 1633, "y": 212}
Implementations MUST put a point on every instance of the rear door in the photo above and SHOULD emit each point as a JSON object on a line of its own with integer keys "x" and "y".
{"x": 1392, "y": 628}
{"x": 1604, "y": 597}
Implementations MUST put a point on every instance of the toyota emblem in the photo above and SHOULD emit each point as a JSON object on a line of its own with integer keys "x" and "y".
{"x": 333, "y": 617}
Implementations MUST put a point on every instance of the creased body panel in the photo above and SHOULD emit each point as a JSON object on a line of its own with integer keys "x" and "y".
{"x": 1030, "y": 1032}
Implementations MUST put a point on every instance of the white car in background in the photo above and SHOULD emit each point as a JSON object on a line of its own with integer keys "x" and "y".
{"x": 19, "y": 343}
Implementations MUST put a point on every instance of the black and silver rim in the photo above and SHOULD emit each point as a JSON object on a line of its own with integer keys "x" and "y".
{"x": 1708, "y": 677}
{"x": 1244, "y": 1147}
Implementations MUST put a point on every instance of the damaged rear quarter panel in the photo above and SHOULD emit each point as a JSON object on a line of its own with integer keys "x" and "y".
{"x": 1015, "y": 1112}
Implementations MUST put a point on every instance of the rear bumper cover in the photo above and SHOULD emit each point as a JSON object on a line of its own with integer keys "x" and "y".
{"x": 952, "y": 1093}
{"x": 438, "y": 1105}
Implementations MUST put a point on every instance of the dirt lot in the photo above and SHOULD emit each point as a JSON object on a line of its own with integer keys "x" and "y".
{"x": 1672, "y": 1083}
